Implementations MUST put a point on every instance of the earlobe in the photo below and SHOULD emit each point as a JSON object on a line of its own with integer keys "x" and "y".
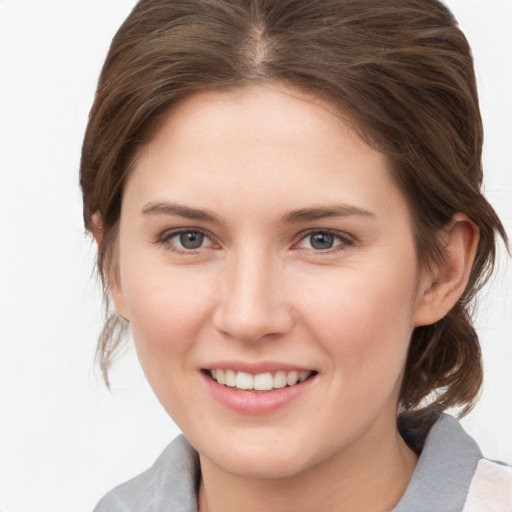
{"x": 443, "y": 290}
{"x": 112, "y": 277}
{"x": 116, "y": 292}
{"x": 118, "y": 300}
{"x": 97, "y": 228}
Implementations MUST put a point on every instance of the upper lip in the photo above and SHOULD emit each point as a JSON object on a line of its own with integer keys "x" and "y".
{"x": 255, "y": 367}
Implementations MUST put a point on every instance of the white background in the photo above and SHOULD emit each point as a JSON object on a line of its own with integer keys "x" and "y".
{"x": 65, "y": 440}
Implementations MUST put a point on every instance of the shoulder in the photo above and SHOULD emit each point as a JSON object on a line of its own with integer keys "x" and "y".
{"x": 453, "y": 475}
{"x": 491, "y": 488}
{"x": 167, "y": 486}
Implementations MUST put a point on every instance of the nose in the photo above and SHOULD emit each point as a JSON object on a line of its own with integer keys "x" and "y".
{"x": 252, "y": 303}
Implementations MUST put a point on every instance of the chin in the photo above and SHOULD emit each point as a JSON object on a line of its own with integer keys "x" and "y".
{"x": 257, "y": 457}
{"x": 262, "y": 466}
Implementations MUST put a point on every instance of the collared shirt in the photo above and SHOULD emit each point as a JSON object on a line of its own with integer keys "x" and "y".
{"x": 451, "y": 476}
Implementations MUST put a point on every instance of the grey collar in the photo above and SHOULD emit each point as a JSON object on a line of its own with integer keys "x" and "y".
{"x": 440, "y": 481}
{"x": 444, "y": 472}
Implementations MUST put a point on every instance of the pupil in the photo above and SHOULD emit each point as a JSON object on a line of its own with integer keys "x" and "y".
{"x": 322, "y": 241}
{"x": 191, "y": 240}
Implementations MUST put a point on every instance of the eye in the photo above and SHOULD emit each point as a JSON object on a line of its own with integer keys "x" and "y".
{"x": 190, "y": 239}
{"x": 324, "y": 240}
{"x": 185, "y": 240}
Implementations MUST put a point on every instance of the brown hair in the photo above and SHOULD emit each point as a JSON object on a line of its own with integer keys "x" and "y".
{"x": 401, "y": 68}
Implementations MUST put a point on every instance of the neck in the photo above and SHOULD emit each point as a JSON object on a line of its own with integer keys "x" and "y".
{"x": 371, "y": 475}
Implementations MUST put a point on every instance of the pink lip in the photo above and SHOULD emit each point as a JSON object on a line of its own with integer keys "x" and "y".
{"x": 255, "y": 368}
{"x": 250, "y": 402}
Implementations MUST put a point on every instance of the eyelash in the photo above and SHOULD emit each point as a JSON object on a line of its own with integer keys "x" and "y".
{"x": 167, "y": 236}
{"x": 344, "y": 240}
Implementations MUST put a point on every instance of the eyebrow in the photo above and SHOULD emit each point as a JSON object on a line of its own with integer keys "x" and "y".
{"x": 310, "y": 214}
{"x": 290, "y": 217}
{"x": 176, "y": 209}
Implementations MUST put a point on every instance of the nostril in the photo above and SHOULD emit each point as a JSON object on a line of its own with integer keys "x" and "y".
{"x": 254, "y": 326}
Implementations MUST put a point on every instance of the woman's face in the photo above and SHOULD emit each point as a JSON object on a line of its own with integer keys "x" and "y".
{"x": 262, "y": 243}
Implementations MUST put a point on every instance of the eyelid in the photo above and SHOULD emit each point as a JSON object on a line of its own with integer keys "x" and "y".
{"x": 168, "y": 234}
{"x": 347, "y": 240}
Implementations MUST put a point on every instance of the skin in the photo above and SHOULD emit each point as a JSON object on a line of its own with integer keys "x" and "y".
{"x": 257, "y": 291}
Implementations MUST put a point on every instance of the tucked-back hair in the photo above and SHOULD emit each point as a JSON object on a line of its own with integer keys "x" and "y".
{"x": 401, "y": 70}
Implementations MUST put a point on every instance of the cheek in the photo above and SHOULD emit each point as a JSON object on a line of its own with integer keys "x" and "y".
{"x": 167, "y": 310}
{"x": 365, "y": 321}
{"x": 167, "y": 316}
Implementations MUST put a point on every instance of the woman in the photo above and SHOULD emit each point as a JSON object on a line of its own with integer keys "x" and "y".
{"x": 286, "y": 200}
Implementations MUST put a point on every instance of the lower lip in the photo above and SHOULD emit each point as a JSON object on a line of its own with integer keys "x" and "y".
{"x": 250, "y": 402}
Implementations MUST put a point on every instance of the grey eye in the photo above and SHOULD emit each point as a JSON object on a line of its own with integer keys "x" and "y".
{"x": 321, "y": 241}
{"x": 191, "y": 239}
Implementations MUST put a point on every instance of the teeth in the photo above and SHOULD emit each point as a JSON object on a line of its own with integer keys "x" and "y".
{"x": 304, "y": 375}
{"x": 292, "y": 378}
{"x": 263, "y": 382}
{"x": 259, "y": 382}
{"x": 280, "y": 380}
{"x": 244, "y": 380}
{"x": 230, "y": 376}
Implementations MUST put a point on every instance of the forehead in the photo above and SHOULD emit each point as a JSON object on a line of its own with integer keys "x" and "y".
{"x": 258, "y": 147}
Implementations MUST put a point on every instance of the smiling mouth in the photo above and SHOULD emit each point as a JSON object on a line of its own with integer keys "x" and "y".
{"x": 260, "y": 382}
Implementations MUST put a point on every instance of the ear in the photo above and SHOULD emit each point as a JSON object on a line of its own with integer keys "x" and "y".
{"x": 112, "y": 274}
{"x": 97, "y": 228}
{"x": 442, "y": 290}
